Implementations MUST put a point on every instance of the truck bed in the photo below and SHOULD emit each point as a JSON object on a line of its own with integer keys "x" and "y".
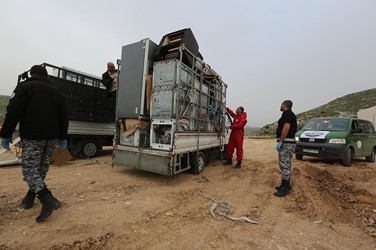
{"x": 161, "y": 161}
{"x": 90, "y": 128}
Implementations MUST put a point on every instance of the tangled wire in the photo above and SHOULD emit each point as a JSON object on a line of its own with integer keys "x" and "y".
{"x": 221, "y": 209}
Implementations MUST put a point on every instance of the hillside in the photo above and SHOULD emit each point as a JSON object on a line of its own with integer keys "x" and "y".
{"x": 250, "y": 130}
{"x": 3, "y": 105}
{"x": 347, "y": 105}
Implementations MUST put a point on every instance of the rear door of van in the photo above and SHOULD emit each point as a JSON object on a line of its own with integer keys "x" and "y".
{"x": 357, "y": 138}
{"x": 369, "y": 137}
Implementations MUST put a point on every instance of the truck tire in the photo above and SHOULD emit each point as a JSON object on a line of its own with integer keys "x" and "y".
{"x": 299, "y": 157}
{"x": 224, "y": 153}
{"x": 347, "y": 158}
{"x": 371, "y": 158}
{"x": 88, "y": 148}
{"x": 198, "y": 163}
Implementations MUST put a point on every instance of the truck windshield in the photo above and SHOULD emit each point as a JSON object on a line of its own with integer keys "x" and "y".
{"x": 327, "y": 124}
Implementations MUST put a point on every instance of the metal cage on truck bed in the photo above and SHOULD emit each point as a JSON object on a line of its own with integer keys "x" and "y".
{"x": 85, "y": 94}
{"x": 185, "y": 125}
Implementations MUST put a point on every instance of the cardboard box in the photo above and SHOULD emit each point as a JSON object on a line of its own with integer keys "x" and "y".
{"x": 60, "y": 157}
{"x": 132, "y": 124}
{"x": 149, "y": 85}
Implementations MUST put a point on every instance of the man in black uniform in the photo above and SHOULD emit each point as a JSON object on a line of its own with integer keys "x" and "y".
{"x": 110, "y": 80}
{"x": 41, "y": 110}
{"x": 286, "y": 130}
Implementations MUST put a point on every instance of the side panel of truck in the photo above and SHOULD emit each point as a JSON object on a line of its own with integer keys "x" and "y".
{"x": 90, "y": 128}
{"x": 143, "y": 159}
{"x": 85, "y": 95}
{"x": 86, "y": 139}
{"x": 169, "y": 162}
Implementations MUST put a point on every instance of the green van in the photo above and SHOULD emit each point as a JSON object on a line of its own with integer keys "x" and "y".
{"x": 337, "y": 137}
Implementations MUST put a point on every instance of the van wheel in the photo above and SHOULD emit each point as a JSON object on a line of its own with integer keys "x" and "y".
{"x": 371, "y": 158}
{"x": 299, "y": 157}
{"x": 88, "y": 149}
{"x": 347, "y": 158}
{"x": 198, "y": 163}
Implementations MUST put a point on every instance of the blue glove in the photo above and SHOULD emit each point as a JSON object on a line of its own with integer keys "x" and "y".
{"x": 227, "y": 127}
{"x": 5, "y": 143}
{"x": 62, "y": 144}
{"x": 279, "y": 146}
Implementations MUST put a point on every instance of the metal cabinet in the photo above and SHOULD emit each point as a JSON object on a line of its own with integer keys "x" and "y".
{"x": 136, "y": 65}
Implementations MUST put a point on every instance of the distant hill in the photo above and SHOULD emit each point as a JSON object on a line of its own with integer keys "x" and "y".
{"x": 3, "y": 105}
{"x": 250, "y": 130}
{"x": 347, "y": 105}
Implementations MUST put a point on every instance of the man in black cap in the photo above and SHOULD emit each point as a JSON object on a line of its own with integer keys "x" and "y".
{"x": 41, "y": 111}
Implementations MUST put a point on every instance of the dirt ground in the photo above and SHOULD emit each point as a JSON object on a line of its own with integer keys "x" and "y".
{"x": 105, "y": 207}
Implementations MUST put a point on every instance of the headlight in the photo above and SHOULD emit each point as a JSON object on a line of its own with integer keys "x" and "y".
{"x": 297, "y": 138}
{"x": 338, "y": 141}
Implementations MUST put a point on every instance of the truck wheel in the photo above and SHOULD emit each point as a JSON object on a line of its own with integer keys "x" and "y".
{"x": 371, "y": 158}
{"x": 223, "y": 154}
{"x": 299, "y": 157}
{"x": 347, "y": 158}
{"x": 88, "y": 149}
{"x": 198, "y": 163}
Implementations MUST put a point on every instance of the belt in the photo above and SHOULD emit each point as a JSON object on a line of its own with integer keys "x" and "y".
{"x": 288, "y": 140}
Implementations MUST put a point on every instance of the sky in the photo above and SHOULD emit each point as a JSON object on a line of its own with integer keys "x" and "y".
{"x": 266, "y": 51}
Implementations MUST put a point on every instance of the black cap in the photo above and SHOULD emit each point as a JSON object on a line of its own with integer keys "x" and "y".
{"x": 38, "y": 70}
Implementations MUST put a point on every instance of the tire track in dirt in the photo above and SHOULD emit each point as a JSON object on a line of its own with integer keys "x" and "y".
{"x": 9, "y": 205}
{"x": 175, "y": 216}
{"x": 108, "y": 207}
{"x": 320, "y": 195}
{"x": 89, "y": 243}
{"x": 188, "y": 207}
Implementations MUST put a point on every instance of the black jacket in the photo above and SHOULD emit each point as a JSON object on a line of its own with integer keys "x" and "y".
{"x": 107, "y": 80}
{"x": 40, "y": 108}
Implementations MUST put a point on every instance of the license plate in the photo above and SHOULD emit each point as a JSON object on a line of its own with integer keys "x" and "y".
{"x": 312, "y": 151}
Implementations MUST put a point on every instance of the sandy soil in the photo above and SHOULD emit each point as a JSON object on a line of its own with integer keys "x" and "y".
{"x": 105, "y": 207}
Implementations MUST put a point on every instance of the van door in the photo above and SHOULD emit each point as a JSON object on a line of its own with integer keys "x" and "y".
{"x": 368, "y": 142}
{"x": 357, "y": 138}
{"x": 372, "y": 135}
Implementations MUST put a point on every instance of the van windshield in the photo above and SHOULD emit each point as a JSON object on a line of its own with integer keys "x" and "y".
{"x": 327, "y": 124}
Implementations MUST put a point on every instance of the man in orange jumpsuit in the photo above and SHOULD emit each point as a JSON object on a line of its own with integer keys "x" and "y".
{"x": 236, "y": 136}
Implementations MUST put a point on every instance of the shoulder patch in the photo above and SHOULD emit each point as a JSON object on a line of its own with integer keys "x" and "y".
{"x": 13, "y": 95}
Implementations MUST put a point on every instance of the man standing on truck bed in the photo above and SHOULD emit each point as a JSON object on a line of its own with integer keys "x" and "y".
{"x": 237, "y": 135}
{"x": 110, "y": 80}
{"x": 286, "y": 130}
{"x": 41, "y": 110}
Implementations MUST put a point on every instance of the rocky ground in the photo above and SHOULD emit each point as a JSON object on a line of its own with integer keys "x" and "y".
{"x": 105, "y": 207}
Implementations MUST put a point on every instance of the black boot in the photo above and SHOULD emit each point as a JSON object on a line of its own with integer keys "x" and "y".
{"x": 28, "y": 200}
{"x": 284, "y": 189}
{"x": 238, "y": 164}
{"x": 228, "y": 162}
{"x": 279, "y": 187}
{"x": 49, "y": 204}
